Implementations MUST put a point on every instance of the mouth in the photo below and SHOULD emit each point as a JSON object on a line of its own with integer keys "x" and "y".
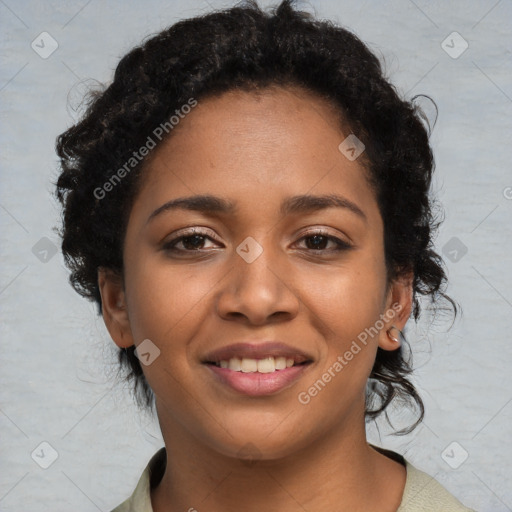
{"x": 266, "y": 365}
{"x": 257, "y": 369}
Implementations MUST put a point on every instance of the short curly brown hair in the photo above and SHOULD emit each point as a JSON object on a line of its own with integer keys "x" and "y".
{"x": 246, "y": 48}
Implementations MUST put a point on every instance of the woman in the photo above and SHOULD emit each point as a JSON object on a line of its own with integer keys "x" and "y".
{"x": 248, "y": 204}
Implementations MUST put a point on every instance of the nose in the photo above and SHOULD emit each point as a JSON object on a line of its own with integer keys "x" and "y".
{"x": 258, "y": 292}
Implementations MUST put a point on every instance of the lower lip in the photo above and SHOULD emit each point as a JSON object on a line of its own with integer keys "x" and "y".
{"x": 258, "y": 384}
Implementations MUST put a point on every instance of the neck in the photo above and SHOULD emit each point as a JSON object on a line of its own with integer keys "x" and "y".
{"x": 339, "y": 472}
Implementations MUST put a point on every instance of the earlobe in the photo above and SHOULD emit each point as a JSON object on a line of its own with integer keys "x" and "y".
{"x": 398, "y": 311}
{"x": 394, "y": 334}
{"x": 114, "y": 310}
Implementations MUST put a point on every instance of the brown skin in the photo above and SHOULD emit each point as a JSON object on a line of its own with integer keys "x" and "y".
{"x": 258, "y": 150}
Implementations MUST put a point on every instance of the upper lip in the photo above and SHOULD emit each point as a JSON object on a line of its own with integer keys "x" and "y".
{"x": 257, "y": 350}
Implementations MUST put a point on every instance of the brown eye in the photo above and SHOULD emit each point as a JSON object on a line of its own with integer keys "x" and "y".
{"x": 317, "y": 241}
{"x": 190, "y": 242}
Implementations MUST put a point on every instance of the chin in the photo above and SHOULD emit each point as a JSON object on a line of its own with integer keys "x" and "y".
{"x": 259, "y": 442}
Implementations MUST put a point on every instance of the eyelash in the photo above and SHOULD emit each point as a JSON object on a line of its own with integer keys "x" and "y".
{"x": 341, "y": 244}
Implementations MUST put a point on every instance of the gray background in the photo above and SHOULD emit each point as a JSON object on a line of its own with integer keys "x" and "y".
{"x": 57, "y": 361}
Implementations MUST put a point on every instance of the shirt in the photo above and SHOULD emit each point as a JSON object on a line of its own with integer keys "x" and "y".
{"x": 422, "y": 493}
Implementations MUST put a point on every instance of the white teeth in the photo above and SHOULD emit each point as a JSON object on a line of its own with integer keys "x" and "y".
{"x": 280, "y": 363}
{"x": 266, "y": 365}
{"x": 249, "y": 365}
{"x": 234, "y": 364}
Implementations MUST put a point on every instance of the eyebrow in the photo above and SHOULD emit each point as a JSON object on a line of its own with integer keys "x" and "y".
{"x": 306, "y": 203}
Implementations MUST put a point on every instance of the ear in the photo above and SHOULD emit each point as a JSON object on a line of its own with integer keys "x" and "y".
{"x": 114, "y": 310}
{"x": 398, "y": 307}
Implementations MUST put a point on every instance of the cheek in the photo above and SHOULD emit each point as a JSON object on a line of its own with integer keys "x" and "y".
{"x": 166, "y": 305}
{"x": 345, "y": 308}
{"x": 348, "y": 299}
{"x": 164, "y": 300}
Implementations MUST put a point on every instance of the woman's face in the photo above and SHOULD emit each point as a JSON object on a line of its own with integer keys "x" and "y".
{"x": 283, "y": 274}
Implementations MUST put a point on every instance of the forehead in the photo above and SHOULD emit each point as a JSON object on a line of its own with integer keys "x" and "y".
{"x": 256, "y": 145}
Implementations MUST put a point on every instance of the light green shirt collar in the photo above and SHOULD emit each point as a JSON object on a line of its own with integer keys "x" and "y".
{"x": 422, "y": 493}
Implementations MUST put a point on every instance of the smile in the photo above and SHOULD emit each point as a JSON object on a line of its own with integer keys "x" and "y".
{"x": 249, "y": 365}
{"x": 257, "y": 367}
